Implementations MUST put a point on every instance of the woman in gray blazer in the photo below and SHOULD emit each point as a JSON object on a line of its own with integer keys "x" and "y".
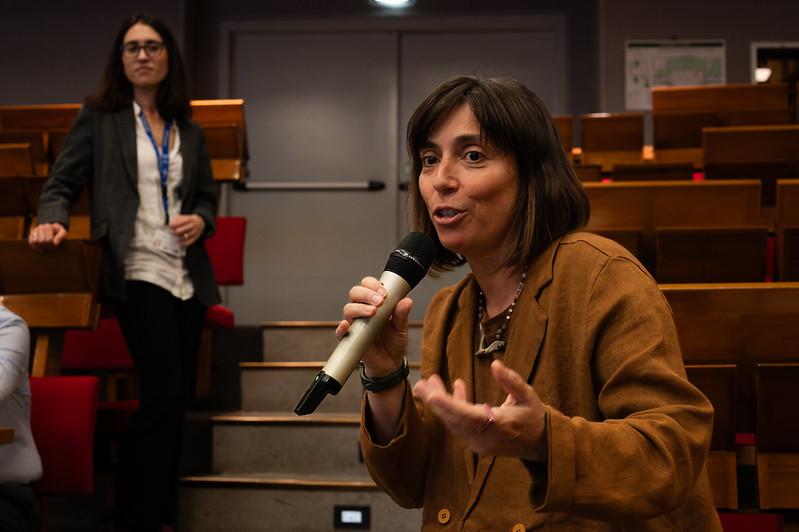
{"x": 153, "y": 205}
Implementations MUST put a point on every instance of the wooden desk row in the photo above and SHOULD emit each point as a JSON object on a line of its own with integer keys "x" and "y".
{"x": 31, "y": 136}
{"x": 714, "y": 226}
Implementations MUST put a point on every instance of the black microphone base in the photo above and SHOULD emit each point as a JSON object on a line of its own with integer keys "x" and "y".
{"x": 322, "y": 385}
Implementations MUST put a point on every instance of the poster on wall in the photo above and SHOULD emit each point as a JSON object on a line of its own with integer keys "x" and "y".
{"x": 657, "y": 63}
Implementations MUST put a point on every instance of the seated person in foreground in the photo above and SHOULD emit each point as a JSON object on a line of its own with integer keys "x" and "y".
{"x": 20, "y": 464}
{"x": 553, "y": 394}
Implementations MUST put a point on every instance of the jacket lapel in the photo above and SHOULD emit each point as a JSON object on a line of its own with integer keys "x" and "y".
{"x": 460, "y": 346}
{"x": 126, "y": 129}
{"x": 186, "y": 146}
{"x": 525, "y": 337}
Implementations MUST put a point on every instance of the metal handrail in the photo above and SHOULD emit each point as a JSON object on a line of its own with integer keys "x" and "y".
{"x": 310, "y": 186}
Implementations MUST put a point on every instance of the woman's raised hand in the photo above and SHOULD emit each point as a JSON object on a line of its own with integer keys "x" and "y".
{"x": 386, "y": 354}
{"x": 47, "y": 236}
{"x": 516, "y": 428}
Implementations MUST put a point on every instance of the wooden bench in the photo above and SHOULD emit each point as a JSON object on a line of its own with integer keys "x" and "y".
{"x": 787, "y": 226}
{"x": 767, "y": 153}
{"x": 707, "y": 255}
{"x": 36, "y": 141}
{"x": 608, "y": 139}
{"x": 226, "y": 136}
{"x": 12, "y": 227}
{"x": 724, "y": 331}
{"x": 729, "y": 98}
{"x": 51, "y": 291}
{"x": 588, "y": 172}
{"x": 642, "y": 207}
{"x": 777, "y": 435}
{"x": 653, "y": 171}
{"x": 16, "y": 160}
{"x": 680, "y": 113}
{"x": 223, "y": 121}
{"x": 564, "y": 125}
{"x": 719, "y": 384}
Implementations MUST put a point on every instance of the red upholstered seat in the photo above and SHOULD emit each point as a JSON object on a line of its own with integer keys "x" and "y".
{"x": 63, "y": 411}
{"x": 102, "y": 348}
{"x": 220, "y": 316}
{"x": 751, "y": 522}
{"x": 226, "y": 250}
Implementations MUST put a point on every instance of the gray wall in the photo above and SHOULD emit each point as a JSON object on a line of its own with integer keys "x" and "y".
{"x": 738, "y": 22}
{"x": 54, "y": 52}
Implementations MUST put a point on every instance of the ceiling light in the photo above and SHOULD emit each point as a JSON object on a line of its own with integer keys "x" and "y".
{"x": 393, "y": 3}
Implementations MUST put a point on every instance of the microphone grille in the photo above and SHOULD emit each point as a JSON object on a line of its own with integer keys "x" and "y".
{"x": 412, "y": 257}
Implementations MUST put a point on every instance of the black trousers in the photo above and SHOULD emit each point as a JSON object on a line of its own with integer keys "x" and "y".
{"x": 163, "y": 334}
{"x": 19, "y": 509}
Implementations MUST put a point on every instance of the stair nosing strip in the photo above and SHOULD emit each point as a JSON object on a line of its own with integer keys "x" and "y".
{"x": 299, "y": 364}
{"x": 281, "y": 482}
{"x": 287, "y": 419}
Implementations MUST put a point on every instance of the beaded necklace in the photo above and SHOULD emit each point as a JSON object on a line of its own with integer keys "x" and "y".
{"x": 499, "y": 342}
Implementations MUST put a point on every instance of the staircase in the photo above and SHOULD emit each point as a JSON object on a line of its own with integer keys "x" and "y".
{"x": 273, "y": 470}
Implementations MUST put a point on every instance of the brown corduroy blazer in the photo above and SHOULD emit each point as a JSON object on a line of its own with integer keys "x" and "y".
{"x": 627, "y": 433}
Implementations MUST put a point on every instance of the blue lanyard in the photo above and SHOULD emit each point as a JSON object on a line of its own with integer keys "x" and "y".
{"x": 163, "y": 159}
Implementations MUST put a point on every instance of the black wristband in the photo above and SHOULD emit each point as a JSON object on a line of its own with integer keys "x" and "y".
{"x": 384, "y": 383}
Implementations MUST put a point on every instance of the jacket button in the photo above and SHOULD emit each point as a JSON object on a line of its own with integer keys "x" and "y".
{"x": 444, "y": 516}
{"x": 519, "y": 528}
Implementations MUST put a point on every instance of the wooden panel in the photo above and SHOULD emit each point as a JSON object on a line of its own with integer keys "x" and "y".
{"x": 588, "y": 172}
{"x": 563, "y": 124}
{"x": 646, "y": 205}
{"x": 767, "y": 171}
{"x": 12, "y": 227}
{"x": 36, "y": 142}
{"x": 681, "y": 129}
{"x": 733, "y": 96}
{"x": 778, "y": 435}
{"x": 72, "y": 267}
{"x": 723, "y": 323}
{"x": 680, "y": 155}
{"x": 607, "y": 159}
{"x": 719, "y": 383}
{"x": 755, "y": 117}
{"x": 15, "y": 160}
{"x": 751, "y": 143}
{"x": 612, "y": 131}
{"x": 64, "y": 310}
{"x": 652, "y": 171}
{"x": 12, "y": 197}
{"x": 208, "y": 112}
{"x": 740, "y": 323}
{"x": 38, "y": 117}
{"x": 787, "y": 225}
{"x": 718, "y": 255}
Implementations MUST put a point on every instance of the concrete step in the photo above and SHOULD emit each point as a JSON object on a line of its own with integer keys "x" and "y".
{"x": 274, "y": 502}
{"x": 279, "y": 386}
{"x": 294, "y": 341}
{"x": 285, "y": 443}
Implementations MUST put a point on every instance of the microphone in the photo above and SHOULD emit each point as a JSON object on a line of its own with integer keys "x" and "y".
{"x": 406, "y": 266}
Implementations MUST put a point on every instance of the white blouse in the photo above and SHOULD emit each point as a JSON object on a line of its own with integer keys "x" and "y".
{"x": 146, "y": 260}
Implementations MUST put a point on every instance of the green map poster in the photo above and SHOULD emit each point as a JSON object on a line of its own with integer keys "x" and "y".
{"x": 658, "y": 63}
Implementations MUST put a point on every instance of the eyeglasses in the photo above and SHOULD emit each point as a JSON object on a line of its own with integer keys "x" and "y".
{"x": 151, "y": 48}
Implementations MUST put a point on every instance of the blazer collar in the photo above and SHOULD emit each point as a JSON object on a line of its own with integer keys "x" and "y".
{"x": 525, "y": 337}
{"x": 125, "y": 121}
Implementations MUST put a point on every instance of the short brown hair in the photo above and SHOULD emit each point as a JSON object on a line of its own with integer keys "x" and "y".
{"x": 551, "y": 201}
